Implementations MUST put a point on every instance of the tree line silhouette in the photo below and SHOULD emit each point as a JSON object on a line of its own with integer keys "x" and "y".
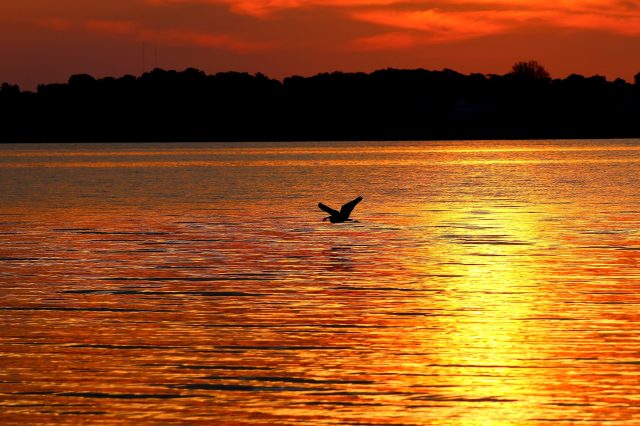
{"x": 387, "y": 104}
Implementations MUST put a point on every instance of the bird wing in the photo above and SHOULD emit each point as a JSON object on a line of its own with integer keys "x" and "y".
{"x": 347, "y": 208}
{"x": 328, "y": 209}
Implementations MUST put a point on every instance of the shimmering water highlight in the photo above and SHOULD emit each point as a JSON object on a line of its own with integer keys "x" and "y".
{"x": 485, "y": 283}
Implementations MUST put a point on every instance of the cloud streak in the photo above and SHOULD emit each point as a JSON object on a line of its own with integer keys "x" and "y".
{"x": 267, "y": 8}
{"x": 407, "y": 23}
{"x": 409, "y": 28}
{"x": 169, "y": 36}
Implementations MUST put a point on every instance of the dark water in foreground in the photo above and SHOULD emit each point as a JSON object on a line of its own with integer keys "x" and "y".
{"x": 486, "y": 283}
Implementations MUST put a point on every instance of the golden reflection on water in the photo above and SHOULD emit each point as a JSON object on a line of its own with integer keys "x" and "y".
{"x": 485, "y": 283}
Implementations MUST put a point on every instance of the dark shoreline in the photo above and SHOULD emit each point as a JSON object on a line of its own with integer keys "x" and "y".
{"x": 190, "y": 106}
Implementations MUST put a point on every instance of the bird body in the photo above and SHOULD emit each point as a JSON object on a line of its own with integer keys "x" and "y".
{"x": 336, "y": 216}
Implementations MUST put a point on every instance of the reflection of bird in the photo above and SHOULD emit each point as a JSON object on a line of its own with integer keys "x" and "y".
{"x": 343, "y": 214}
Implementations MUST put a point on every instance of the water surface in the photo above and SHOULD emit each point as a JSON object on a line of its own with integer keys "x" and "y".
{"x": 485, "y": 283}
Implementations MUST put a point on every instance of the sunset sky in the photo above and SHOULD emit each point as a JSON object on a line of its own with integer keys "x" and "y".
{"x": 46, "y": 41}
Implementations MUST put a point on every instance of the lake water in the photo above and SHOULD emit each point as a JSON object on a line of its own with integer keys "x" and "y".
{"x": 484, "y": 283}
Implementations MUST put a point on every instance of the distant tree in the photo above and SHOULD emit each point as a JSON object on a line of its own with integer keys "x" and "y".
{"x": 619, "y": 83}
{"x": 530, "y": 70}
{"x": 169, "y": 105}
{"x": 81, "y": 81}
{"x": 9, "y": 89}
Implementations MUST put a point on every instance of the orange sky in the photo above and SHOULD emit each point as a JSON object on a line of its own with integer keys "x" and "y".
{"x": 46, "y": 41}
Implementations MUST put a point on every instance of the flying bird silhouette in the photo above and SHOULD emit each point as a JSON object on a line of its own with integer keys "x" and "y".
{"x": 342, "y": 215}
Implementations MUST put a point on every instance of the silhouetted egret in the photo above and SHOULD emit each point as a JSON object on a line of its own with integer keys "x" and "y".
{"x": 343, "y": 214}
